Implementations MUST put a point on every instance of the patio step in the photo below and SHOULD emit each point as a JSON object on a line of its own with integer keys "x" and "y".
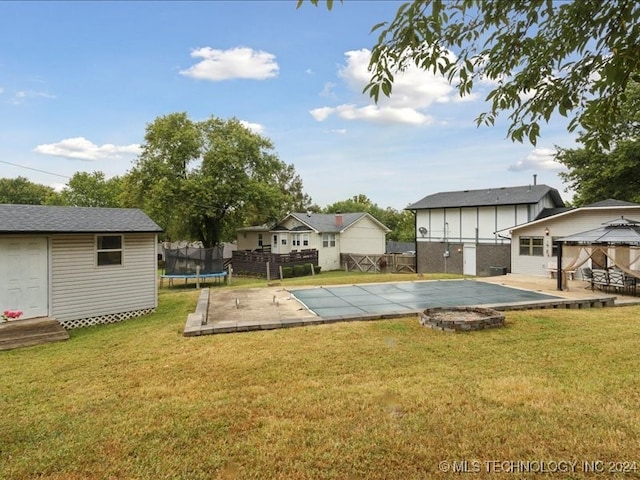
{"x": 30, "y": 331}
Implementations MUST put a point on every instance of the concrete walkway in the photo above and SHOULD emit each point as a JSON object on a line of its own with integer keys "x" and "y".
{"x": 235, "y": 310}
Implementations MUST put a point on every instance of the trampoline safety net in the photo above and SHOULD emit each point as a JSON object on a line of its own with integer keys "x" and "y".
{"x": 186, "y": 260}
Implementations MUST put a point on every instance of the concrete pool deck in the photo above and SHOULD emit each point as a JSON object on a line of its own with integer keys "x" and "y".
{"x": 236, "y": 310}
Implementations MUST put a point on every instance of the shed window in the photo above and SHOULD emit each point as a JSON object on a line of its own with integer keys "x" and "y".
{"x": 531, "y": 246}
{"x": 109, "y": 250}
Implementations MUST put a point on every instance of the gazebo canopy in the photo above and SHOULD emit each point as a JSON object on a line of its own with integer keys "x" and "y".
{"x": 621, "y": 231}
{"x": 617, "y": 242}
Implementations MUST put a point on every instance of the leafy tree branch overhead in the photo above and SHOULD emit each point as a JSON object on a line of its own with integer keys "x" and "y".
{"x": 573, "y": 58}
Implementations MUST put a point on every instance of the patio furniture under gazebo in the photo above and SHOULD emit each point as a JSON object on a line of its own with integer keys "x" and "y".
{"x": 614, "y": 251}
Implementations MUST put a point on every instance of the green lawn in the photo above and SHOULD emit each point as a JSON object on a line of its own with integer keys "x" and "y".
{"x": 370, "y": 400}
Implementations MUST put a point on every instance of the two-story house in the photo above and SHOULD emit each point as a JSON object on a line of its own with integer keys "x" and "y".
{"x": 459, "y": 232}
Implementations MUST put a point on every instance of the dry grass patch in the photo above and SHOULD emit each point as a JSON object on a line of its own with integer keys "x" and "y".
{"x": 384, "y": 399}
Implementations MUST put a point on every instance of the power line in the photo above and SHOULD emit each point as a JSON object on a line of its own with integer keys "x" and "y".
{"x": 34, "y": 169}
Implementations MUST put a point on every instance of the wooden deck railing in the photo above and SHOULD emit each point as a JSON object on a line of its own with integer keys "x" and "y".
{"x": 268, "y": 264}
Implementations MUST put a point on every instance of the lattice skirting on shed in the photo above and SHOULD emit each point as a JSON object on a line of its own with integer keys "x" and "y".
{"x": 104, "y": 319}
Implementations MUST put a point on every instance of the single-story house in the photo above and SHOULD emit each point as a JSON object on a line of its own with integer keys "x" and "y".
{"x": 460, "y": 232}
{"x": 79, "y": 265}
{"x": 330, "y": 234}
{"x": 534, "y": 243}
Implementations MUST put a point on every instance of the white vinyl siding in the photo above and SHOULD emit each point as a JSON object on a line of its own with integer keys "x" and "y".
{"x": 81, "y": 289}
{"x": 561, "y": 226}
{"x": 363, "y": 237}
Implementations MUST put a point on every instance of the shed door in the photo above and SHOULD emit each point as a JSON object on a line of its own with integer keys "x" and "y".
{"x": 24, "y": 276}
{"x": 469, "y": 259}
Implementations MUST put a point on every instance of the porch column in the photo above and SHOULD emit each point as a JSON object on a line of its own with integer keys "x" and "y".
{"x": 559, "y": 267}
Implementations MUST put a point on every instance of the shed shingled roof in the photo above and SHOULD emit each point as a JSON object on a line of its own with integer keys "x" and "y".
{"x": 56, "y": 219}
{"x": 527, "y": 194}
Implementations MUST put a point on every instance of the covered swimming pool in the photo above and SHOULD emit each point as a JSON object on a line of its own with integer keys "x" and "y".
{"x": 408, "y": 297}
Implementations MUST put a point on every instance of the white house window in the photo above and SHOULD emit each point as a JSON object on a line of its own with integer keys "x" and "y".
{"x": 531, "y": 246}
{"x": 259, "y": 239}
{"x": 283, "y": 241}
{"x": 329, "y": 240}
{"x": 108, "y": 250}
{"x": 298, "y": 239}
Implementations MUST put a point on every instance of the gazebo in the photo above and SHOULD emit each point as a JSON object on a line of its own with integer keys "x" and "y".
{"x": 615, "y": 244}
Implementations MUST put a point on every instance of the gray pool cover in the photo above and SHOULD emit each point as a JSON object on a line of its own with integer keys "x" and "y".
{"x": 392, "y": 298}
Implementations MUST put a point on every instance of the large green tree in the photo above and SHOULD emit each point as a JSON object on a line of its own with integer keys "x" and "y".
{"x": 595, "y": 173}
{"x": 20, "y": 190}
{"x": 200, "y": 180}
{"x": 91, "y": 190}
{"x": 401, "y": 223}
{"x": 574, "y": 58}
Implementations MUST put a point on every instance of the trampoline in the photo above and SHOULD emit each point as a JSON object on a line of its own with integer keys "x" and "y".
{"x": 408, "y": 297}
{"x": 193, "y": 262}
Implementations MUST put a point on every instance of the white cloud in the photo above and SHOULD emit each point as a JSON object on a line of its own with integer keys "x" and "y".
{"x": 388, "y": 114}
{"x": 538, "y": 159}
{"x": 239, "y": 62}
{"x": 327, "y": 90}
{"x": 254, "y": 127}
{"x": 22, "y": 95}
{"x": 321, "y": 113}
{"x": 414, "y": 91}
{"x": 1, "y": 90}
{"x": 82, "y": 149}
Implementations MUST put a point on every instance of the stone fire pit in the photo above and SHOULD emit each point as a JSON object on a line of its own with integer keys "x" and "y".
{"x": 461, "y": 319}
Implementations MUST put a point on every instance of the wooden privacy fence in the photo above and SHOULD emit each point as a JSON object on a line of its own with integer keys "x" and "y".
{"x": 397, "y": 263}
{"x": 268, "y": 264}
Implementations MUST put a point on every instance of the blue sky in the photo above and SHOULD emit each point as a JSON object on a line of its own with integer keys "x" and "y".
{"x": 79, "y": 82}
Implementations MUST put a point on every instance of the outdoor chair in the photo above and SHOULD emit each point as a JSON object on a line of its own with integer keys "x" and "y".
{"x": 599, "y": 278}
{"x": 585, "y": 273}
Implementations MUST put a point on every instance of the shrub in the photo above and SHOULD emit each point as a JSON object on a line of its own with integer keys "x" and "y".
{"x": 298, "y": 270}
{"x": 287, "y": 272}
